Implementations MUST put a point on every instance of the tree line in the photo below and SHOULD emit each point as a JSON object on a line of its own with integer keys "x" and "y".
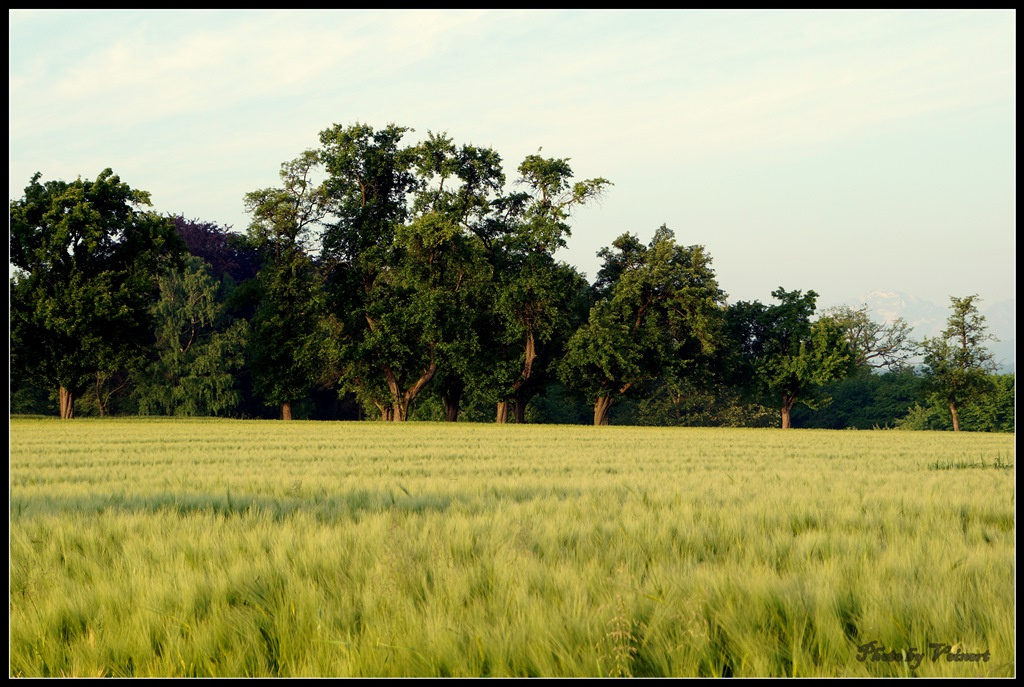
{"x": 386, "y": 279}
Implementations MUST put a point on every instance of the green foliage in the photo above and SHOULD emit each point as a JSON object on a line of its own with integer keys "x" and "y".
{"x": 552, "y": 197}
{"x": 991, "y": 410}
{"x": 873, "y": 345}
{"x": 607, "y": 354}
{"x": 198, "y": 351}
{"x": 782, "y": 356}
{"x": 369, "y": 177}
{"x": 557, "y": 404}
{"x": 660, "y": 310}
{"x": 866, "y": 400}
{"x": 31, "y": 399}
{"x": 926, "y": 417}
{"x": 86, "y": 260}
{"x": 958, "y": 367}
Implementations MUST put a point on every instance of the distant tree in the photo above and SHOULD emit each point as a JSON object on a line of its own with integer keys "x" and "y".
{"x": 783, "y": 355}
{"x": 198, "y": 351}
{"x": 701, "y": 401}
{"x": 444, "y": 256}
{"x": 406, "y": 266}
{"x": 958, "y": 366}
{"x": 865, "y": 400}
{"x": 660, "y": 309}
{"x": 537, "y": 303}
{"x": 370, "y": 178}
{"x": 873, "y": 345}
{"x": 293, "y": 340}
{"x": 86, "y": 256}
{"x": 534, "y": 295}
{"x": 226, "y": 253}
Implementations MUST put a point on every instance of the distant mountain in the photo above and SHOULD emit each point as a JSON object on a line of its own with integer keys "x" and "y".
{"x": 1001, "y": 319}
{"x": 929, "y": 319}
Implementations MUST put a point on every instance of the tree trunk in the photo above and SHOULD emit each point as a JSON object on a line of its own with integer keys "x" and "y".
{"x": 519, "y": 407}
{"x": 451, "y": 409}
{"x": 955, "y": 415}
{"x": 451, "y": 396}
{"x": 601, "y": 408}
{"x": 67, "y": 404}
{"x": 502, "y": 416}
{"x": 519, "y": 387}
{"x": 387, "y": 413}
{"x": 530, "y": 354}
{"x": 99, "y": 394}
{"x": 400, "y": 402}
{"x": 286, "y": 411}
{"x": 787, "y": 405}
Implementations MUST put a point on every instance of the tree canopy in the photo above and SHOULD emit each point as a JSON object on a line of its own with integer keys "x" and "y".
{"x": 957, "y": 363}
{"x": 785, "y": 356}
{"x": 872, "y": 344}
{"x": 659, "y": 309}
{"x": 86, "y": 254}
{"x": 410, "y": 279}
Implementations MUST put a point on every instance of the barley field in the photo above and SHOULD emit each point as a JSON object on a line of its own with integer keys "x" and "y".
{"x": 169, "y": 547}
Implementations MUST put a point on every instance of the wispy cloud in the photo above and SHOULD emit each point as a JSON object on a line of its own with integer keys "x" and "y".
{"x": 816, "y": 81}
{"x": 204, "y": 106}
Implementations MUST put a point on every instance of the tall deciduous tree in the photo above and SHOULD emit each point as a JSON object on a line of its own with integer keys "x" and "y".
{"x": 369, "y": 179}
{"x": 292, "y": 335}
{"x": 783, "y": 354}
{"x": 872, "y": 344}
{"x": 535, "y": 294}
{"x": 86, "y": 254}
{"x": 958, "y": 365}
{"x": 404, "y": 259}
{"x": 661, "y": 309}
{"x": 445, "y": 256}
{"x": 198, "y": 351}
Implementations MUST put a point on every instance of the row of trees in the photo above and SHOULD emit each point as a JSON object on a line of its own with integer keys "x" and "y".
{"x": 382, "y": 273}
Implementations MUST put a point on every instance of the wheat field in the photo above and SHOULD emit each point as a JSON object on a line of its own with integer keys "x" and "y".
{"x": 171, "y": 547}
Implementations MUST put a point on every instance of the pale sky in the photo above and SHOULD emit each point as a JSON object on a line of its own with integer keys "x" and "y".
{"x": 838, "y": 151}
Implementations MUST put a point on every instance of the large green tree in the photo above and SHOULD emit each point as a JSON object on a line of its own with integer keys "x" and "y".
{"x": 405, "y": 262}
{"x": 293, "y": 342}
{"x": 199, "y": 351}
{"x": 782, "y": 354}
{"x": 369, "y": 178}
{"x": 958, "y": 366}
{"x": 444, "y": 255}
{"x": 659, "y": 309}
{"x": 535, "y": 296}
{"x": 86, "y": 254}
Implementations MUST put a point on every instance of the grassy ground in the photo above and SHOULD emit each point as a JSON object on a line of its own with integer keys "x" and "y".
{"x": 222, "y": 548}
